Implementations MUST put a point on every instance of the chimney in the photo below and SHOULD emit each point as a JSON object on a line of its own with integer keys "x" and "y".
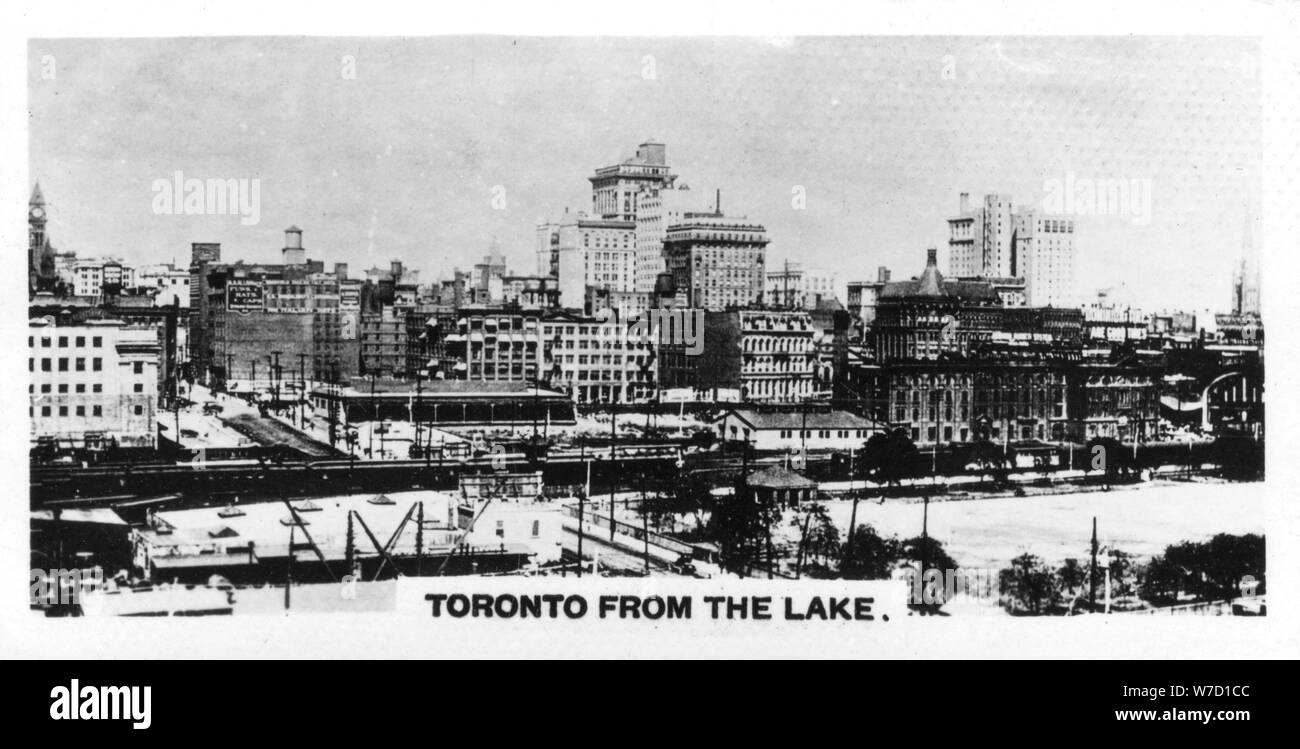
{"x": 717, "y": 202}
{"x": 882, "y": 274}
{"x": 965, "y": 202}
{"x": 341, "y": 271}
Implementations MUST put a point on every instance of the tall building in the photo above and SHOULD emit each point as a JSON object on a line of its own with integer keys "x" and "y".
{"x": 614, "y": 188}
{"x": 717, "y": 262}
{"x": 656, "y": 210}
{"x": 582, "y": 251}
{"x": 980, "y": 239}
{"x": 1044, "y": 250}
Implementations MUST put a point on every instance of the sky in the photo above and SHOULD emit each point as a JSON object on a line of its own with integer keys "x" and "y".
{"x": 439, "y": 146}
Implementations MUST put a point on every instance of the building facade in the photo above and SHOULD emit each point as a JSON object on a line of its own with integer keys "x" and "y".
{"x": 93, "y": 383}
{"x": 717, "y": 262}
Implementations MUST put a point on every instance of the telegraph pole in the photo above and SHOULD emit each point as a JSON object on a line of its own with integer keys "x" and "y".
{"x": 1092, "y": 568}
{"x": 302, "y": 390}
{"x": 613, "y": 470}
{"x": 582, "y": 498}
{"x": 374, "y": 416}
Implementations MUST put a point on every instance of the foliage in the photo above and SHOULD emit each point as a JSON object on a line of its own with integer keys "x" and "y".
{"x": 888, "y": 458}
{"x": 1027, "y": 586}
{"x": 869, "y": 556}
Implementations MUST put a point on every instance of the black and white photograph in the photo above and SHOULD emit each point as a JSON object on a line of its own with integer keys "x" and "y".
{"x": 848, "y": 329}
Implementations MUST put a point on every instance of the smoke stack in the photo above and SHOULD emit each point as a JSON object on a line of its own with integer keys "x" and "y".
{"x": 717, "y": 202}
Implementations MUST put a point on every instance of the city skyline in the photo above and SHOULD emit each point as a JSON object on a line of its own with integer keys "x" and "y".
{"x": 414, "y": 158}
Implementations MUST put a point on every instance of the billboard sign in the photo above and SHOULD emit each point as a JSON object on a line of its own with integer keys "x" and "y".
{"x": 244, "y": 296}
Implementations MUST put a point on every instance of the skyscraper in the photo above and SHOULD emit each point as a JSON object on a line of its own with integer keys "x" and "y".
{"x": 1044, "y": 257}
{"x": 979, "y": 243}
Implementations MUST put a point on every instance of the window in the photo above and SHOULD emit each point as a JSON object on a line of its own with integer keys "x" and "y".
{"x": 138, "y": 387}
{"x": 63, "y": 387}
{"x": 81, "y": 341}
{"x": 63, "y": 410}
{"x": 45, "y": 365}
{"x": 81, "y": 410}
{"x": 97, "y": 364}
{"x": 63, "y": 341}
{"x": 45, "y": 410}
{"x": 81, "y": 364}
{"x": 139, "y": 410}
{"x": 63, "y": 364}
{"x": 81, "y": 387}
{"x": 537, "y": 528}
{"x": 501, "y": 524}
{"x": 97, "y": 388}
{"x": 97, "y": 341}
{"x": 138, "y": 367}
{"x": 97, "y": 410}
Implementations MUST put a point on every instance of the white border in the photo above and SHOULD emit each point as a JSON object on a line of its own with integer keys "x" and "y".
{"x": 350, "y": 636}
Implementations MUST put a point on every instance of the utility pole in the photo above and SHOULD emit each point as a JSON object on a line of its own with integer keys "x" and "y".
{"x": 582, "y": 498}
{"x": 333, "y": 405}
{"x": 302, "y": 390}
{"x": 252, "y": 381}
{"x": 613, "y": 469}
{"x": 374, "y": 416}
{"x": 288, "y": 566}
{"x": 419, "y": 541}
{"x": 1092, "y": 568}
{"x": 275, "y": 379}
{"x": 925, "y": 534}
{"x": 415, "y": 415}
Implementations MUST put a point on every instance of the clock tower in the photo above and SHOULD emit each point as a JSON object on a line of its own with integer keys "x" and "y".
{"x": 40, "y": 255}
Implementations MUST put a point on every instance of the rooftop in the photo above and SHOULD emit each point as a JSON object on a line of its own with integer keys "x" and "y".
{"x": 765, "y": 420}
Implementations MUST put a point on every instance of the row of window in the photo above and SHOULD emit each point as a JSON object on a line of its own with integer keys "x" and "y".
{"x": 47, "y": 411}
{"x": 78, "y": 341}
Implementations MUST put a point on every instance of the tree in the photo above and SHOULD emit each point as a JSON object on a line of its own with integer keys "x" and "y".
{"x": 1071, "y": 580}
{"x": 888, "y": 458}
{"x": 988, "y": 459}
{"x": 928, "y": 558}
{"x": 1160, "y": 581}
{"x": 819, "y": 539}
{"x": 741, "y": 525}
{"x": 1027, "y": 586}
{"x": 1215, "y": 568}
{"x": 1121, "y": 574}
{"x": 869, "y": 556}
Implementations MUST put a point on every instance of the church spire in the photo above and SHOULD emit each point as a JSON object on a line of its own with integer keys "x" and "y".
{"x": 37, "y": 197}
